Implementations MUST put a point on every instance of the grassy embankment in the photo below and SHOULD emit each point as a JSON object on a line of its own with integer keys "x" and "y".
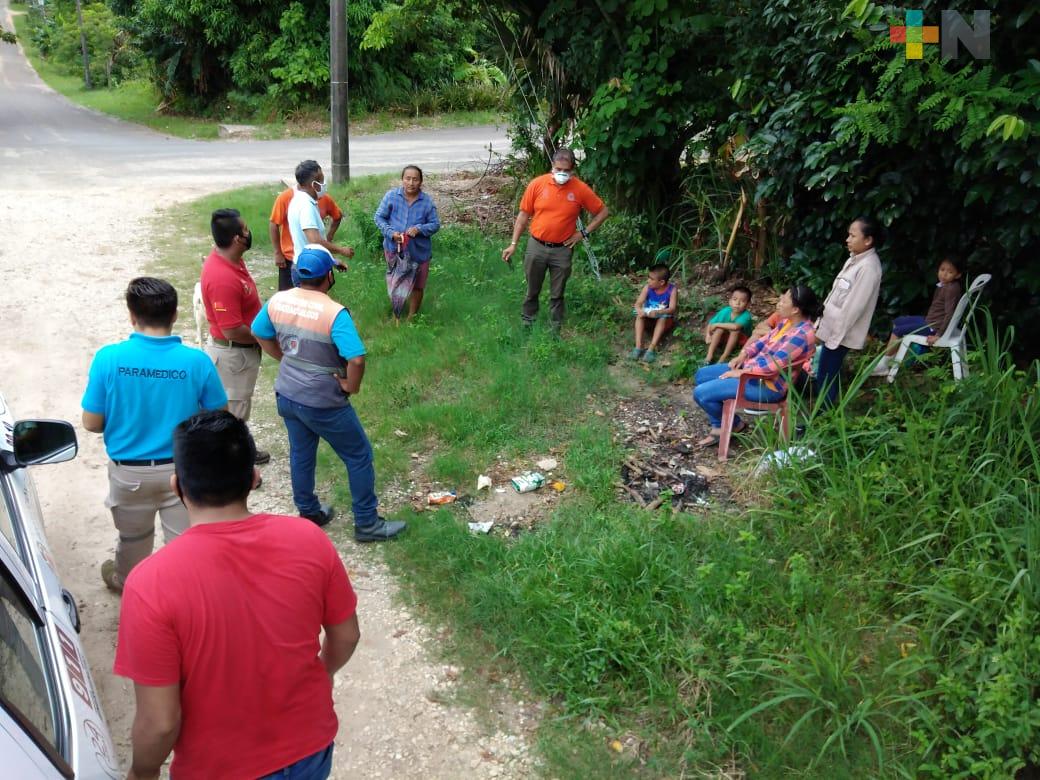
{"x": 136, "y": 101}
{"x": 874, "y": 616}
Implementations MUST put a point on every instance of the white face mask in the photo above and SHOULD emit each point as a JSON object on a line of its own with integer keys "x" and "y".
{"x": 562, "y": 177}
{"x": 320, "y": 188}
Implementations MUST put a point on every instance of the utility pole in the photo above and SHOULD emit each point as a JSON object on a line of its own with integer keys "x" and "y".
{"x": 340, "y": 91}
{"x": 83, "y": 46}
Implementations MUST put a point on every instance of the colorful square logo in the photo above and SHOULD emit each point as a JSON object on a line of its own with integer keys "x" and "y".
{"x": 914, "y": 34}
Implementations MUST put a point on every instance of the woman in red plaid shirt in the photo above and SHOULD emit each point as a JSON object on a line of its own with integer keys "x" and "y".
{"x": 789, "y": 344}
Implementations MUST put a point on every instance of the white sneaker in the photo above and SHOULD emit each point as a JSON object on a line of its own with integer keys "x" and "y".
{"x": 882, "y": 368}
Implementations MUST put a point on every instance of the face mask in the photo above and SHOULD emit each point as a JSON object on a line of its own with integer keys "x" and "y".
{"x": 562, "y": 177}
{"x": 320, "y": 188}
{"x": 248, "y": 240}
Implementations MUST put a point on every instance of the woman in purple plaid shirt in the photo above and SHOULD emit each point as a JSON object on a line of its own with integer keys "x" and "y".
{"x": 789, "y": 344}
{"x": 407, "y": 218}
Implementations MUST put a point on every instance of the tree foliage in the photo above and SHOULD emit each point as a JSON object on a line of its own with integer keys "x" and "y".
{"x": 819, "y": 118}
{"x": 110, "y": 49}
{"x": 944, "y": 152}
{"x": 200, "y": 52}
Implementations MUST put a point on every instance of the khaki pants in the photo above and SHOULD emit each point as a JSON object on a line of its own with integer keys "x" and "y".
{"x": 537, "y": 260}
{"x": 135, "y": 494}
{"x": 238, "y": 369}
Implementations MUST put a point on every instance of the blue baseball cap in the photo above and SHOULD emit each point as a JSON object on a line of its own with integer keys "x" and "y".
{"x": 314, "y": 262}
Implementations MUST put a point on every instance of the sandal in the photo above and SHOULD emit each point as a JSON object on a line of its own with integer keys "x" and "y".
{"x": 636, "y": 353}
{"x": 711, "y": 440}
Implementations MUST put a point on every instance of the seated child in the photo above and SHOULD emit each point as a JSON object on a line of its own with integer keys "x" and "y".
{"x": 657, "y": 302}
{"x": 732, "y": 325}
{"x": 933, "y": 324}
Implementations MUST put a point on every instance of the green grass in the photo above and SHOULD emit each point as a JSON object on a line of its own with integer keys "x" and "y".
{"x": 137, "y": 100}
{"x": 873, "y": 615}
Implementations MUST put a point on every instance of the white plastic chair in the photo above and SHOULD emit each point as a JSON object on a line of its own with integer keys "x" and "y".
{"x": 954, "y": 339}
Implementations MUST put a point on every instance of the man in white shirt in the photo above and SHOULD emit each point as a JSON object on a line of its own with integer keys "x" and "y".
{"x": 305, "y": 223}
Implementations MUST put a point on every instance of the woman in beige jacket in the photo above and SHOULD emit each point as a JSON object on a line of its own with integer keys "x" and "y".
{"x": 849, "y": 307}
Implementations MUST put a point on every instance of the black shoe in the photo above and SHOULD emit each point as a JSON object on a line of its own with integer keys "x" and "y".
{"x": 379, "y": 531}
{"x": 324, "y": 516}
{"x": 262, "y": 457}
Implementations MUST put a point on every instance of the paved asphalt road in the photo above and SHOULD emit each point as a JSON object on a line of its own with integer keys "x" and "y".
{"x": 44, "y": 135}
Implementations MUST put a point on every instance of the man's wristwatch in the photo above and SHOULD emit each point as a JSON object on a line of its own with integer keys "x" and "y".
{"x": 584, "y": 233}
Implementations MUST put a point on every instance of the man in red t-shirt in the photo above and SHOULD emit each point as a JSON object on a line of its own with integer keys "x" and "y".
{"x": 219, "y": 630}
{"x": 552, "y": 204}
{"x": 232, "y": 302}
{"x": 281, "y": 238}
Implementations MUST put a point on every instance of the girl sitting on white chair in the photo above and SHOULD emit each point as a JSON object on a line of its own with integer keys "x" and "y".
{"x": 933, "y": 324}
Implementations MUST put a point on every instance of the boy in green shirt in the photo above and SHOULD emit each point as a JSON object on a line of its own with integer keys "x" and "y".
{"x": 730, "y": 326}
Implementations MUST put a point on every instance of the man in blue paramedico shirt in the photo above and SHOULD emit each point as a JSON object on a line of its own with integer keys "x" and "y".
{"x": 138, "y": 391}
{"x": 407, "y": 217}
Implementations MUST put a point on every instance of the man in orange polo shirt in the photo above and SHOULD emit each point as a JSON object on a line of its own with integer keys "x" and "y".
{"x": 281, "y": 238}
{"x": 552, "y": 204}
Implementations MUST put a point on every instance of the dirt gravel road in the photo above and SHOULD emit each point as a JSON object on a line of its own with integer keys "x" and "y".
{"x": 77, "y": 195}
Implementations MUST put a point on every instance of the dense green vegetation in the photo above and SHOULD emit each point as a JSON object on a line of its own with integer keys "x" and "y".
{"x": 688, "y": 109}
{"x": 266, "y": 61}
{"x": 873, "y": 615}
{"x": 870, "y": 613}
{"x": 742, "y": 134}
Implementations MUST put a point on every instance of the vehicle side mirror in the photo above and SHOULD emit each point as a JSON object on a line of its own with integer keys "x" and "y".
{"x": 44, "y": 441}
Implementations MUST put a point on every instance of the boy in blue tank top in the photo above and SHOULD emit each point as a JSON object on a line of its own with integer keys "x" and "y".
{"x": 655, "y": 308}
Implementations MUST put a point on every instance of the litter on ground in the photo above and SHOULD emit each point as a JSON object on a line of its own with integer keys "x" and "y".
{"x": 525, "y": 483}
{"x": 783, "y": 458}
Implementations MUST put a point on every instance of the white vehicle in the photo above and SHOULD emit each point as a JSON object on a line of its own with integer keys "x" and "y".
{"x": 51, "y": 724}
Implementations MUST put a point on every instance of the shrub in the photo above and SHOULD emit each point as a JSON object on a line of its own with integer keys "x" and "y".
{"x": 112, "y": 55}
{"x": 932, "y": 500}
{"x": 623, "y": 244}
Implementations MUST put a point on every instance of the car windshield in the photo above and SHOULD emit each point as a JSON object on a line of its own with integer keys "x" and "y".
{"x": 23, "y": 678}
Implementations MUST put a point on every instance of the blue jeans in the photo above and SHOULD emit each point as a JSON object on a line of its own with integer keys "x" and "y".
{"x": 341, "y": 428}
{"x": 911, "y": 323}
{"x": 828, "y": 375}
{"x": 711, "y": 392}
{"x": 316, "y": 766}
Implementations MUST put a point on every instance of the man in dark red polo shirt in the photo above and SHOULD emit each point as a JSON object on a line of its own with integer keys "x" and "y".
{"x": 219, "y": 630}
{"x": 232, "y": 302}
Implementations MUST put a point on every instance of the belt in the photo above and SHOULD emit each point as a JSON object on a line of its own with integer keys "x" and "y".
{"x": 234, "y": 344}
{"x": 550, "y": 244}
{"x": 152, "y": 462}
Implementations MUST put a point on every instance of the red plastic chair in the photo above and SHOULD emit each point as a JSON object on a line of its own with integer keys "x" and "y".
{"x": 730, "y": 407}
